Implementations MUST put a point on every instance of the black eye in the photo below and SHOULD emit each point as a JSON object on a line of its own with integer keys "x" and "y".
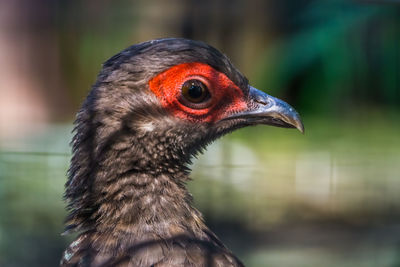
{"x": 194, "y": 91}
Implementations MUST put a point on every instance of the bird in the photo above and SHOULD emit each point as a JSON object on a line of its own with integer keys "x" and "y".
{"x": 153, "y": 108}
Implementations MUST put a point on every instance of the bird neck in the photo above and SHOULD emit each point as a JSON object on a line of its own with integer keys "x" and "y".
{"x": 141, "y": 204}
{"x": 140, "y": 208}
{"x": 127, "y": 185}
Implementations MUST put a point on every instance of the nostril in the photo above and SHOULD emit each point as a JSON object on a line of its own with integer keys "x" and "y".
{"x": 261, "y": 101}
{"x": 259, "y": 97}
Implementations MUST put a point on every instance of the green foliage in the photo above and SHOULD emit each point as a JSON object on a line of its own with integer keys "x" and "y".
{"x": 343, "y": 56}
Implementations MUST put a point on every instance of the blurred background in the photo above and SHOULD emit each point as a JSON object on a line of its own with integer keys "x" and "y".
{"x": 330, "y": 197}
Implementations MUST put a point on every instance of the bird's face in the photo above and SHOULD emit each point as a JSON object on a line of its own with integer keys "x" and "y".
{"x": 197, "y": 94}
{"x": 177, "y": 96}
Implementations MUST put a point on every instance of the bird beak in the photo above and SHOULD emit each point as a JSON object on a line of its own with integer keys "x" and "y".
{"x": 266, "y": 109}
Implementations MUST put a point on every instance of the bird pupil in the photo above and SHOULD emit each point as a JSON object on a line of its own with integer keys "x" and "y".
{"x": 195, "y": 91}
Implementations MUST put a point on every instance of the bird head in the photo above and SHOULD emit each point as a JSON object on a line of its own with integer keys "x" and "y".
{"x": 178, "y": 95}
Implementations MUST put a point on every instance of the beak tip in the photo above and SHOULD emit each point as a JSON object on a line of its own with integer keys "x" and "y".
{"x": 294, "y": 121}
{"x": 300, "y": 127}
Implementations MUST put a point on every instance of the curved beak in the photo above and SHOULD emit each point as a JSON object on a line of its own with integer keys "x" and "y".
{"x": 266, "y": 109}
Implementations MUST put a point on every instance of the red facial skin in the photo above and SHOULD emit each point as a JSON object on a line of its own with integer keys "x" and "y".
{"x": 226, "y": 97}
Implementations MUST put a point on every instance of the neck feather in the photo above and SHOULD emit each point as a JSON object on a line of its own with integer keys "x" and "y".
{"x": 127, "y": 179}
{"x": 123, "y": 194}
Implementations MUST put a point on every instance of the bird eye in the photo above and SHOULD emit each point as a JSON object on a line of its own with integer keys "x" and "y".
{"x": 194, "y": 92}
